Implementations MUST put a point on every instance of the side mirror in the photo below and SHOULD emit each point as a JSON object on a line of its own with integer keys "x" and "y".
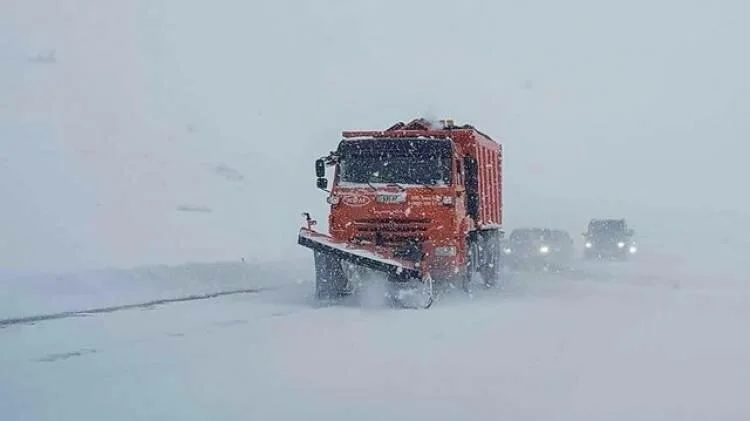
{"x": 322, "y": 183}
{"x": 320, "y": 169}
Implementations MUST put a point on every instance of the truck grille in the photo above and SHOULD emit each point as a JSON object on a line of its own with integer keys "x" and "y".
{"x": 389, "y": 230}
{"x": 404, "y": 235}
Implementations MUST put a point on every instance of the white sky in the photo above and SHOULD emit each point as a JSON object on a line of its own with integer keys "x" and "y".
{"x": 634, "y": 109}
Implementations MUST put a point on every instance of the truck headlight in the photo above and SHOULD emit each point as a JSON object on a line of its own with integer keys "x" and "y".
{"x": 620, "y": 244}
{"x": 333, "y": 200}
{"x": 588, "y": 244}
{"x": 633, "y": 249}
{"x": 507, "y": 250}
{"x": 444, "y": 251}
{"x": 544, "y": 249}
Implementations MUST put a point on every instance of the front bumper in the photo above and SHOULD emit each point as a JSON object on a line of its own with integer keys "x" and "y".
{"x": 531, "y": 259}
{"x": 373, "y": 257}
{"x": 609, "y": 251}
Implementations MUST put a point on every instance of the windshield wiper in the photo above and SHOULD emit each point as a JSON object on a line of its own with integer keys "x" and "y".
{"x": 389, "y": 183}
{"x": 397, "y": 185}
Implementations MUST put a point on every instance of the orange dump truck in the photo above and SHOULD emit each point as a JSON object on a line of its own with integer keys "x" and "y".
{"x": 419, "y": 202}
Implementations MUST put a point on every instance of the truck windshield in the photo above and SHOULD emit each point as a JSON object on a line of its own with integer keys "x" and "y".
{"x": 402, "y": 161}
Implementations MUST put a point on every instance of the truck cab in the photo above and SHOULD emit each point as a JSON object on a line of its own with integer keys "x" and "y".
{"x": 399, "y": 193}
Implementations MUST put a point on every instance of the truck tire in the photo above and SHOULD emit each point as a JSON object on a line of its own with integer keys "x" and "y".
{"x": 473, "y": 255}
{"x": 330, "y": 279}
{"x": 490, "y": 263}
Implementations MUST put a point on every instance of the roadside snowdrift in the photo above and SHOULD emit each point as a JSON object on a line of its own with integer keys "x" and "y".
{"x": 545, "y": 348}
{"x": 27, "y": 296}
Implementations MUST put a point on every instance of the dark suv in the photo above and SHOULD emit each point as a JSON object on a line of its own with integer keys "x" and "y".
{"x": 539, "y": 248}
{"x": 609, "y": 238}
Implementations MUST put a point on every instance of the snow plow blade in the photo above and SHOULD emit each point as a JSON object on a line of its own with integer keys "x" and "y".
{"x": 371, "y": 257}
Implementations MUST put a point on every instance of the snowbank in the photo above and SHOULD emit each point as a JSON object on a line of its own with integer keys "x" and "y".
{"x": 30, "y": 295}
{"x": 546, "y": 348}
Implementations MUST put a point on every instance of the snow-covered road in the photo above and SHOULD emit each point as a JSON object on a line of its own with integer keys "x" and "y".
{"x": 618, "y": 347}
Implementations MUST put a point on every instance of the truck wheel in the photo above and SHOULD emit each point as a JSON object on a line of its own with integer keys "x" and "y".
{"x": 491, "y": 275}
{"x": 472, "y": 263}
{"x": 330, "y": 279}
{"x": 491, "y": 264}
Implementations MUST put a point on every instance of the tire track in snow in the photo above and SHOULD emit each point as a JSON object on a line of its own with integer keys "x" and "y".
{"x": 111, "y": 309}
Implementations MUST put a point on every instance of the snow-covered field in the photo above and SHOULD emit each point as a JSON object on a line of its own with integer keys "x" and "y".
{"x": 610, "y": 341}
{"x": 40, "y": 294}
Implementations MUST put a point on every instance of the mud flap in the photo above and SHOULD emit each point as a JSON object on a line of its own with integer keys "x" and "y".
{"x": 413, "y": 293}
{"x": 330, "y": 280}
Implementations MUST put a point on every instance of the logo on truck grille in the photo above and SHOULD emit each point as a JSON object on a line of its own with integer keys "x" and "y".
{"x": 356, "y": 200}
{"x": 391, "y": 197}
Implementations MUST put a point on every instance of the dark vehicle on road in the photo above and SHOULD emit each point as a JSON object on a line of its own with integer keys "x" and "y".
{"x": 539, "y": 248}
{"x": 609, "y": 239}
